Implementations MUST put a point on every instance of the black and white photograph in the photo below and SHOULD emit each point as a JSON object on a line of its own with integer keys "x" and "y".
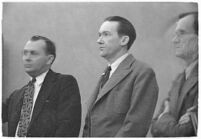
{"x": 100, "y": 69}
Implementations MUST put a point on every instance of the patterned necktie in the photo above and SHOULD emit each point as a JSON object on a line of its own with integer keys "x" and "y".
{"x": 105, "y": 76}
{"x": 25, "y": 116}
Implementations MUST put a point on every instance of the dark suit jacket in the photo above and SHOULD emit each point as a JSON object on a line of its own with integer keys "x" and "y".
{"x": 124, "y": 106}
{"x": 57, "y": 110}
{"x": 182, "y": 96}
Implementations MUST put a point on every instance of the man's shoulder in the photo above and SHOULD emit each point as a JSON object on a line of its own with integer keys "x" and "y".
{"x": 141, "y": 67}
{"x": 63, "y": 77}
{"x": 65, "y": 81}
{"x": 17, "y": 92}
{"x": 135, "y": 64}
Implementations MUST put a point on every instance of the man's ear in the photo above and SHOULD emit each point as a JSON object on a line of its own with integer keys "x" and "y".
{"x": 50, "y": 59}
{"x": 124, "y": 40}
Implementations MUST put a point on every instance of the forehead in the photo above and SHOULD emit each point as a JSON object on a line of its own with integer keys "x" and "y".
{"x": 110, "y": 26}
{"x": 186, "y": 24}
{"x": 35, "y": 45}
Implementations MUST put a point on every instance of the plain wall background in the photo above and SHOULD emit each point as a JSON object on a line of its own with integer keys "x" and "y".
{"x": 74, "y": 28}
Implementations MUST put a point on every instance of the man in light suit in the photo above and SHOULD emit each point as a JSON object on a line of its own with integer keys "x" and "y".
{"x": 178, "y": 114}
{"x": 124, "y": 105}
{"x": 49, "y": 106}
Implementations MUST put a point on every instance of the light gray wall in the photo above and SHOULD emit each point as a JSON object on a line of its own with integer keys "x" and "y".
{"x": 74, "y": 29}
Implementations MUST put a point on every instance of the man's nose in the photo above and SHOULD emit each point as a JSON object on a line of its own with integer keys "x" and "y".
{"x": 175, "y": 39}
{"x": 27, "y": 57}
{"x": 100, "y": 40}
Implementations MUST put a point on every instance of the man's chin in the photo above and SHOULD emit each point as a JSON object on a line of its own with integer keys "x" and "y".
{"x": 30, "y": 72}
{"x": 179, "y": 55}
{"x": 102, "y": 54}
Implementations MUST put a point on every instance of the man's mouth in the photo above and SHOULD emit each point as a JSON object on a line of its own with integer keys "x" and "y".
{"x": 27, "y": 65}
{"x": 101, "y": 48}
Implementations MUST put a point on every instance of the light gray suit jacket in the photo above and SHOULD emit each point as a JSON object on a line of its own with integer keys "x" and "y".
{"x": 182, "y": 96}
{"x": 125, "y": 105}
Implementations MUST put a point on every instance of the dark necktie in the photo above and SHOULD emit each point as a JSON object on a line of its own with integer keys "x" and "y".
{"x": 105, "y": 76}
{"x": 26, "y": 109}
{"x": 182, "y": 81}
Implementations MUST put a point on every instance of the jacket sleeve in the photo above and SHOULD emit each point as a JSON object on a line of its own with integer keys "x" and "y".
{"x": 69, "y": 109}
{"x": 168, "y": 126}
{"x": 142, "y": 105}
{"x": 5, "y": 111}
{"x": 5, "y": 107}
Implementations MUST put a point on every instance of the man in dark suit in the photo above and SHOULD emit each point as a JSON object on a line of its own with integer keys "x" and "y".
{"x": 178, "y": 114}
{"x": 50, "y": 105}
{"x": 124, "y": 100}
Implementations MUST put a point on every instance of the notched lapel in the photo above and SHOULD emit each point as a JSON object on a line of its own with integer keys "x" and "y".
{"x": 177, "y": 84}
{"x": 121, "y": 72}
{"x": 188, "y": 86}
{"x": 112, "y": 82}
{"x": 19, "y": 104}
{"x": 43, "y": 94}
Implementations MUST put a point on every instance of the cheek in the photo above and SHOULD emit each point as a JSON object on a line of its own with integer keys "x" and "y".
{"x": 40, "y": 62}
{"x": 193, "y": 47}
{"x": 113, "y": 43}
{"x": 109, "y": 44}
{"x": 190, "y": 47}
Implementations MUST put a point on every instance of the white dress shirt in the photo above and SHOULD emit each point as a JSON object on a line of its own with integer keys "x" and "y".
{"x": 115, "y": 64}
{"x": 37, "y": 86}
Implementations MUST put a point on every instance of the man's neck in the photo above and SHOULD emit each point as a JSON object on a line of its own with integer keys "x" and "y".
{"x": 113, "y": 59}
{"x": 189, "y": 61}
{"x": 34, "y": 75}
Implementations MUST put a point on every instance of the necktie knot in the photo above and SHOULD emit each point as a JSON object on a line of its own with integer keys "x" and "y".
{"x": 109, "y": 68}
{"x": 107, "y": 71}
{"x": 105, "y": 76}
{"x": 33, "y": 80}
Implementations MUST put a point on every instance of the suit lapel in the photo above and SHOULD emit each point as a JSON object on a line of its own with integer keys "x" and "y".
{"x": 43, "y": 94}
{"x": 175, "y": 93}
{"x": 121, "y": 72}
{"x": 190, "y": 82}
{"x": 19, "y": 104}
{"x": 94, "y": 95}
{"x": 20, "y": 100}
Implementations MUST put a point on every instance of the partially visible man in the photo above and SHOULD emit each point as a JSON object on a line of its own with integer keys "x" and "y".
{"x": 178, "y": 114}
{"x": 50, "y": 105}
{"x": 124, "y": 100}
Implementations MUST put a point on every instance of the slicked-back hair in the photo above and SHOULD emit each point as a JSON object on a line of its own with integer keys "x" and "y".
{"x": 50, "y": 46}
{"x": 125, "y": 28}
{"x": 195, "y": 15}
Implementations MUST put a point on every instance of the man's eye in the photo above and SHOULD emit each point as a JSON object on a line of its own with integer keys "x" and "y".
{"x": 24, "y": 52}
{"x": 106, "y": 34}
{"x": 34, "y": 53}
{"x": 182, "y": 32}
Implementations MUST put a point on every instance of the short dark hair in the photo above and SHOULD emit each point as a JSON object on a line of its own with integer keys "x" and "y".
{"x": 125, "y": 28}
{"x": 195, "y": 15}
{"x": 50, "y": 45}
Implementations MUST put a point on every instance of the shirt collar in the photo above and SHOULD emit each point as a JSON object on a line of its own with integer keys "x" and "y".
{"x": 40, "y": 78}
{"x": 115, "y": 64}
{"x": 189, "y": 69}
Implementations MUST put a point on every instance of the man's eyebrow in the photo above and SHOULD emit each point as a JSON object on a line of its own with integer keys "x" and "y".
{"x": 24, "y": 50}
{"x": 27, "y": 50}
{"x": 183, "y": 31}
{"x": 105, "y": 31}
